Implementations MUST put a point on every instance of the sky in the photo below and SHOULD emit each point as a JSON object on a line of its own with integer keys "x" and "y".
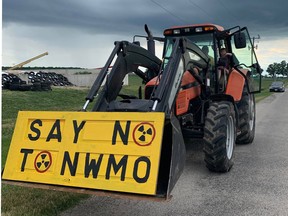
{"x": 82, "y": 33}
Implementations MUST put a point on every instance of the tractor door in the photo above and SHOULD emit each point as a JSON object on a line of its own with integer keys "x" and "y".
{"x": 245, "y": 60}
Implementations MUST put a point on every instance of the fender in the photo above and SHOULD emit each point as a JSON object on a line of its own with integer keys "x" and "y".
{"x": 190, "y": 89}
{"x": 235, "y": 84}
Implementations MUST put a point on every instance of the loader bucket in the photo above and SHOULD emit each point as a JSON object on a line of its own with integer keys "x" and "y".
{"x": 172, "y": 157}
{"x": 107, "y": 153}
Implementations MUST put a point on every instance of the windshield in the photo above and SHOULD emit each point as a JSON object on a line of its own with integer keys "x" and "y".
{"x": 203, "y": 41}
{"x": 277, "y": 84}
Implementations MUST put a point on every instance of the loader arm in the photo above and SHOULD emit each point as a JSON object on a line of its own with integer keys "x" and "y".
{"x": 185, "y": 56}
{"x": 129, "y": 58}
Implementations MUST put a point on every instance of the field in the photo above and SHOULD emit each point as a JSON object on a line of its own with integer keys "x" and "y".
{"x": 27, "y": 201}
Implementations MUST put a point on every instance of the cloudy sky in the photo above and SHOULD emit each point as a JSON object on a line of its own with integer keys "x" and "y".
{"x": 81, "y": 33}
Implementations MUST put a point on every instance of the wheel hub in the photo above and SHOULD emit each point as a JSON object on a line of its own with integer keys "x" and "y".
{"x": 230, "y": 137}
{"x": 252, "y": 115}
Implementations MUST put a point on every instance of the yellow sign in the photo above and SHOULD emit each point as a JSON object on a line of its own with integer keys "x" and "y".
{"x": 97, "y": 150}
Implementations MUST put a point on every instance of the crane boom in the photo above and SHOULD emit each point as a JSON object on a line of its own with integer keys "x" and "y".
{"x": 28, "y": 61}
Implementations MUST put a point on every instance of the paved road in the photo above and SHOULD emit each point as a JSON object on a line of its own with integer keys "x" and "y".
{"x": 257, "y": 184}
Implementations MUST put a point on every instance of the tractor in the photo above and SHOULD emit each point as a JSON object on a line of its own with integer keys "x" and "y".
{"x": 134, "y": 141}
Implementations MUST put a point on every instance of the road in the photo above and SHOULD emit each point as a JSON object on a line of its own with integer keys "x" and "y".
{"x": 256, "y": 185}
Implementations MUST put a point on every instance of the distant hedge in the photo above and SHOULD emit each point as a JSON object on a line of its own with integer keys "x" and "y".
{"x": 41, "y": 68}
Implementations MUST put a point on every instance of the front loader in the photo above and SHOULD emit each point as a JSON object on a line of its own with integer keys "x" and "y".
{"x": 133, "y": 144}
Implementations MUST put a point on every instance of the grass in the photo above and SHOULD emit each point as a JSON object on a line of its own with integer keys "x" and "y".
{"x": 28, "y": 201}
{"x": 31, "y": 201}
{"x": 132, "y": 88}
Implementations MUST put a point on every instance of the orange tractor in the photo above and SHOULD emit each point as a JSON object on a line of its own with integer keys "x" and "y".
{"x": 215, "y": 100}
{"x": 133, "y": 141}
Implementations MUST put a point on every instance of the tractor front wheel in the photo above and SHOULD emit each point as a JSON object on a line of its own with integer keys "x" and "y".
{"x": 220, "y": 136}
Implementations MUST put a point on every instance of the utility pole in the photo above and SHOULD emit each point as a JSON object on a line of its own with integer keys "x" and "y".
{"x": 254, "y": 47}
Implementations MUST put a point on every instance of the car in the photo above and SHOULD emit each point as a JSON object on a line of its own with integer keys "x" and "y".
{"x": 277, "y": 87}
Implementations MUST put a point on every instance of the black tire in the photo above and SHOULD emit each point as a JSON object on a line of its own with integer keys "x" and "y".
{"x": 247, "y": 113}
{"x": 36, "y": 86}
{"x": 219, "y": 136}
{"x": 46, "y": 86}
{"x": 14, "y": 86}
{"x": 24, "y": 87}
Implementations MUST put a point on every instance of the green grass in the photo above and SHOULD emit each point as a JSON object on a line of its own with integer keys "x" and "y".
{"x": 132, "y": 88}
{"x": 28, "y": 201}
{"x": 31, "y": 201}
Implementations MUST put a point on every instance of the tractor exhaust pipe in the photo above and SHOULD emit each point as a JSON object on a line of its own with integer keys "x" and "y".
{"x": 150, "y": 40}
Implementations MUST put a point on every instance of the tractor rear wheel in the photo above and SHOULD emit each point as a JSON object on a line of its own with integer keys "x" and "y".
{"x": 220, "y": 136}
{"x": 246, "y": 109}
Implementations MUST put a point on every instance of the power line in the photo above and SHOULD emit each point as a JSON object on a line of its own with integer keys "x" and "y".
{"x": 165, "y": 9}
{"x": 228, "y": 11}
{"x": 200, "y": 8}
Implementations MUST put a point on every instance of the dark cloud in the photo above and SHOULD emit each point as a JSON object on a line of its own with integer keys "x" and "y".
{"x": 123, "y": 17}
{"x": 98, "y": 17}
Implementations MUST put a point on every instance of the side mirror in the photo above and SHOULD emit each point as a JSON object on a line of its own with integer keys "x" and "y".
{"x": 240, "y": 40}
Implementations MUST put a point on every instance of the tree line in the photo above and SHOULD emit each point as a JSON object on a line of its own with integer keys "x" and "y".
{"x": 40, "y": 68}
{"x": 278, "y": 69}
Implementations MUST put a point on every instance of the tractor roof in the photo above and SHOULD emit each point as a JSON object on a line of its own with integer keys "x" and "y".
{"x": 195, "y": 27}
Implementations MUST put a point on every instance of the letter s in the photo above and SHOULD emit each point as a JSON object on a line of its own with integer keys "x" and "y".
{"x": 35, "y": 130}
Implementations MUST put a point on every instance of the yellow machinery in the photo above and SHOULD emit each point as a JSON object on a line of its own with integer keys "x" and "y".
{"x": 28, "y": 61}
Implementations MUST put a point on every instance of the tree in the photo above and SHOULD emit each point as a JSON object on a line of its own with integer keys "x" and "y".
{"x": 278, "y": 69}
{"x": 283, "y": 68}
{"x": 272, "y": 69}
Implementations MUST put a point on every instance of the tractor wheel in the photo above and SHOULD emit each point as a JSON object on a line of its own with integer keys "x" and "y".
{"x": 246, "y": 109}
{"x": 219, "y": 136}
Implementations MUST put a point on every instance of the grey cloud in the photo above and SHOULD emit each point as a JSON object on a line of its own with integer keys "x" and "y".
{"x": 99, "y": 17}
{"x": 124, "y": 17}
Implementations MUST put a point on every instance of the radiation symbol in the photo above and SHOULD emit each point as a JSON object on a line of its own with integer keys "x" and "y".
{"x": 43, "y": 161}
{"x": 144, "y": 134}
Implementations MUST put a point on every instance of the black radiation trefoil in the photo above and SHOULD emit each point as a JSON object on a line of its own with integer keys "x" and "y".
{"x": 144, "y": 132}
{"x": 43, "y": 161}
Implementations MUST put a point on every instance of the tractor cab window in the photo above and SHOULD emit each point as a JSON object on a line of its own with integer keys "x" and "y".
{"x": 203, "y": 41}
{"x": 244, "y": 55}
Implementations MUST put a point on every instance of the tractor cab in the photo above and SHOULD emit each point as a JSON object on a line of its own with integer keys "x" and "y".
{"x": 214, "y": 40}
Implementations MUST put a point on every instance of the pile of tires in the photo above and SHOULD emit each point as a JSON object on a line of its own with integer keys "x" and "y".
{"x": 14, "y": 83}
{"x": 51, "y": 77}
{"x": 6, "y": 80}
{"x": 40, "y": 81}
